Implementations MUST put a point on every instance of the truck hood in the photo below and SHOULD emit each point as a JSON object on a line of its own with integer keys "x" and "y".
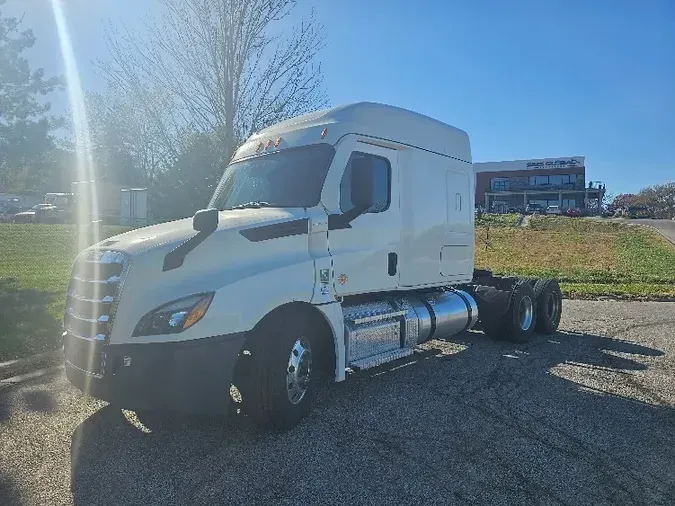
{"x": 247, "y": 255}
{"x": 167, "y": 235}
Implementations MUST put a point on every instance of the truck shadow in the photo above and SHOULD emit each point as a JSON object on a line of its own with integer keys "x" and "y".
{"x": 9, "y": 491}
{"x": 561, "y": 419}
{"x": 26, "y": 326}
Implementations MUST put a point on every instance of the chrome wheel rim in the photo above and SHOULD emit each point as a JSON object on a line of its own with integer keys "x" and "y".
{"x": 299, "y": 370}
{"x": 525, "y": 313}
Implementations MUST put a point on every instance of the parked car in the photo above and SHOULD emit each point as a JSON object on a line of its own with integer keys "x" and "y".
{"x": 7, "y": 211}
{"x": 553, "y": 210}
{"x": 639, "y": 212}
{"x": 34, "y": 214}
{"x": 573, "y": 212}
{"x": 534, "y": 208}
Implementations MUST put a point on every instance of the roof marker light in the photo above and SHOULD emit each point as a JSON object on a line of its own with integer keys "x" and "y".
{"x": 269, "y": 144}
{"x": 276, "y": 144}
{"x": 259, "y": 147}
{"x": 324, "y": 132}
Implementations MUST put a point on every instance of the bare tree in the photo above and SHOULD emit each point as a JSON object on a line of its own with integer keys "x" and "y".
{"x": 228, "y": 66}
{"x": 122, "y": 134}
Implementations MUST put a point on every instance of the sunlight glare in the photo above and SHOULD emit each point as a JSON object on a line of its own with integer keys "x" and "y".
{"x": 85, "y": 162}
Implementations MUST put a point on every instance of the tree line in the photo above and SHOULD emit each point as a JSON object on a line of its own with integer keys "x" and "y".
{"x": 181, "y": 95}
{"x": 659, "y": 199}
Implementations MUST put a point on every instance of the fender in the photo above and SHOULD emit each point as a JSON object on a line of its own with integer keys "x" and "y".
{"x": 239, "y": 306}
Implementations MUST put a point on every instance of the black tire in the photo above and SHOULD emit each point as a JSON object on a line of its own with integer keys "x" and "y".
{"x": 270, "y": 390}
{"x": 549, "y": 305}
{"x": 519, "y": 321}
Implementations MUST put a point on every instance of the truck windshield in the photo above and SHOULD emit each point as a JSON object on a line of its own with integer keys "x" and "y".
{"x": 290, "y": 178}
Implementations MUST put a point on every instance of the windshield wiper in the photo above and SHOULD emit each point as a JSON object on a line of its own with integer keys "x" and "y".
{"x": 256, "y": 204}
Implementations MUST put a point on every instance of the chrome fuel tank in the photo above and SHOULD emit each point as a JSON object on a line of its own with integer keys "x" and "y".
{"x": 382, "y": 330}
{"x": 454, "y": 311}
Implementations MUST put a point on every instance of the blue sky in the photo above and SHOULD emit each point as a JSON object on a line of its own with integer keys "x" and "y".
{"x": 525, "y": 79}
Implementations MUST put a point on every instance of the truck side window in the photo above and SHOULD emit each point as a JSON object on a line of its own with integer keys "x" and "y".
{"x": 381, "y": 184}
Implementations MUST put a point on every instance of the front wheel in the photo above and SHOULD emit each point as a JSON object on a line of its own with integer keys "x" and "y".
{"x": 283, "y": 372}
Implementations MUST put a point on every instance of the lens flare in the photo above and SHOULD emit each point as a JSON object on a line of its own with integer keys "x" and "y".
{"x": 87, "y": 209}
{"x": 85, "y": 163}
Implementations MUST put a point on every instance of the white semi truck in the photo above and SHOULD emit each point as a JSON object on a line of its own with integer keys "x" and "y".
{"x": 336, "y": 241}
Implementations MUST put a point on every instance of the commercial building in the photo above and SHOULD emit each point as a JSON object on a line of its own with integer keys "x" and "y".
{"x": 501, "y": 186}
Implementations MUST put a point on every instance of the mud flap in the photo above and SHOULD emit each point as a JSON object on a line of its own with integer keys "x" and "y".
{"x": 493, "y": 299}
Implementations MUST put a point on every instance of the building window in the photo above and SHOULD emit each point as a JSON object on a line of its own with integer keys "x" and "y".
{"x": 499, "y": 206}
{"x": 499, "y": 184}
{"x": 569, "y": 203}
{"x": 538, "y": 180}
{"x": 556, "y": 180}
{"x": 380, "y": 186}
{"x": 561, "y": 179}
{"x": 544, "y": 203}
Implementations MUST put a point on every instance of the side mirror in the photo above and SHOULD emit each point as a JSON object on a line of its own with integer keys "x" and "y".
{"x": 205, "y": 220}
{"x": 362, "y": 189}
{"x": 363, "y": 183}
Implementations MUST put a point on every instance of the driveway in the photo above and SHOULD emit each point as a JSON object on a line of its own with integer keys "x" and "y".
{"x": 581, "y": 417}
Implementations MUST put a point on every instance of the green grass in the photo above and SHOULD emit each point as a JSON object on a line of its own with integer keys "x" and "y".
{"x": 35, "y": 263}
{"x": 497, "y": 220}
{"x": 589, "y": 257}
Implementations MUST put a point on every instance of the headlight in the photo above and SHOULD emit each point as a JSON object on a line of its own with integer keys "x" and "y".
{"x": 174, "y": 317}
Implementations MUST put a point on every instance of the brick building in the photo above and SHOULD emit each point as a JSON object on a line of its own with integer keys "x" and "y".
{"x": 548, "y": 181}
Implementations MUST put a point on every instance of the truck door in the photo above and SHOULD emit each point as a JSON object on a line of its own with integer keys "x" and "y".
{"x": 365, "y": 256}
{"x": 458, "y": 250}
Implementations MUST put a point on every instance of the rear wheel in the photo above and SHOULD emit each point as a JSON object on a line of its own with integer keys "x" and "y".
{"x": 549, "y": 305}
{"x": 283, "y": 376}
{"x": 518, "y": 323}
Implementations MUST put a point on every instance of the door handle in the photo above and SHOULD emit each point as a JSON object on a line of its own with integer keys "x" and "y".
{"x": 393, "y": 264}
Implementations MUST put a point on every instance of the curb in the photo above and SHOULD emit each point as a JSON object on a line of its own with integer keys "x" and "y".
{"x": 28, "y": 364}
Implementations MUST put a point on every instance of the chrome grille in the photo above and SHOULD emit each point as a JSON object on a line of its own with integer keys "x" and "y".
{"x": 93, "y": 293}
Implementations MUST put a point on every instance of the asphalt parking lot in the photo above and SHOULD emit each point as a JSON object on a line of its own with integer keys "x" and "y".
{"x": 582, "y": 417}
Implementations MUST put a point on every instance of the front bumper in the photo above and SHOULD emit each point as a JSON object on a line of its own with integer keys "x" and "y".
{"x": 190, "y": 376}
